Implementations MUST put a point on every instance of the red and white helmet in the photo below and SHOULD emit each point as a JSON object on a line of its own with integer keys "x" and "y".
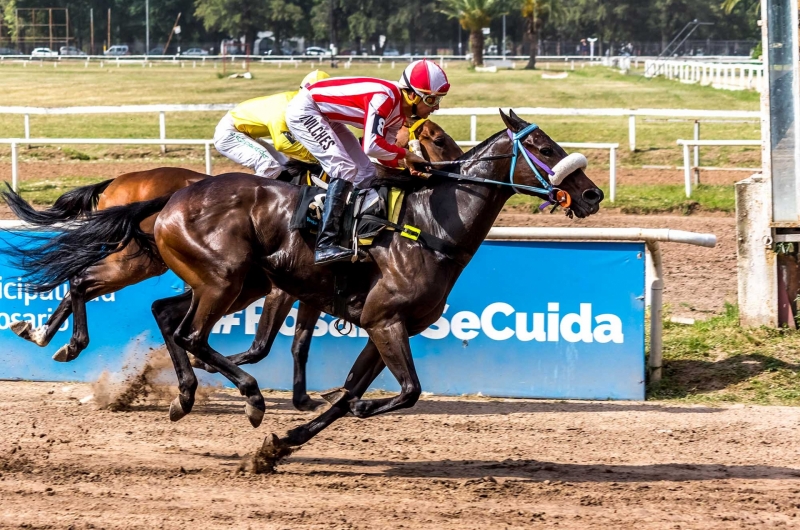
{"x": 427, "y": 80}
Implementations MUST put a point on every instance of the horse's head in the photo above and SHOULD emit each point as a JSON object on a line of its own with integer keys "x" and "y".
{"x": 561, "y": 171}
{"x": 437, "y": 145}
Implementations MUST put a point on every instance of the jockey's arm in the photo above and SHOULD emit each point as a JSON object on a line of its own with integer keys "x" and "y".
{"x": 284, "y": 141}
{"x": 375, "y": 131}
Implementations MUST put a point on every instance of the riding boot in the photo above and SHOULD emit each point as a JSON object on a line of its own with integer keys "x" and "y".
{"x": 328, "y": 248}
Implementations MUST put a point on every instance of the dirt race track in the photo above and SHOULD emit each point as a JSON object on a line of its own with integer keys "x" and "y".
{"x": 448, "y": 463}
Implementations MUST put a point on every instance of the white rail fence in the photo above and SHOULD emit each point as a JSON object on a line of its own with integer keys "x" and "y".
{"x": 15, "y": 143}
{"x": 743, "y": 76}
{"x": 472, "y": 112}
{"x": 696, "y": 114}
{"x": 688, "y": 167}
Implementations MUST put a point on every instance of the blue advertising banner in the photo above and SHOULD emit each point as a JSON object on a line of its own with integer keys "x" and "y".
{"x": 526, "y": 319}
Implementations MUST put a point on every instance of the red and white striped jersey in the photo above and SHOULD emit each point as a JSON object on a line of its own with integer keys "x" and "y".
{"x": 373, "y": 105}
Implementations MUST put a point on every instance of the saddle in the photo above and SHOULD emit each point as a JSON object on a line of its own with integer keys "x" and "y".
{"x": 368, "y": 212}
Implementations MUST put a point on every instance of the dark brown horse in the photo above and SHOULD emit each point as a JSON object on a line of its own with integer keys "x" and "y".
{"x": 128, "y": 267}
{"x": 229, "y": 239}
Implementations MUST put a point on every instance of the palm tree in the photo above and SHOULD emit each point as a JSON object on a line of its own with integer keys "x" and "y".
{"x": 536, "y": 13}
{"x": 474, "y": 15}
{"x": 729, "y": 5}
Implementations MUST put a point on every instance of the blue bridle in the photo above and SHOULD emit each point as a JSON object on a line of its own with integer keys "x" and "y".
{"x": 536, "y": 165}
{"x": 533, "y": 162}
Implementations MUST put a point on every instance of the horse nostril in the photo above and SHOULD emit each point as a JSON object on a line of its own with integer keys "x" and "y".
{"x": 593, "y": 196}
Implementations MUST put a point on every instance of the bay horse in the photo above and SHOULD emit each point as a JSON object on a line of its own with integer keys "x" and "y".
{"x": 229, "y": 236}
{"x": 129, "y": 267}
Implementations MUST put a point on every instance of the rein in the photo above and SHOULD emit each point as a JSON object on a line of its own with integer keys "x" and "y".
{"x": 554, "y": 195}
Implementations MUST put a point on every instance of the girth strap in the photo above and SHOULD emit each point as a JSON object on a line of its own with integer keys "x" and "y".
{"x": 429, "y": 240}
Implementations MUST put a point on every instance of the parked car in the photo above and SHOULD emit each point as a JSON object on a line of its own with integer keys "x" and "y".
{"x": 391, "y": 52}
{"x": 9, "y": 51}
{"x": 283, "y": 51}
{"x": 69, "y": 50}
{"x": 195, "y": 52}
{"x": 316, "y": 50}
{"x": 117, "y": 49}
{"x": 156, "y": 51}
{"x": 43, "y": 52}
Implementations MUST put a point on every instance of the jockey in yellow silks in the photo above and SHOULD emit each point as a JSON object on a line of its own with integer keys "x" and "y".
{"x": 241, "y": 132}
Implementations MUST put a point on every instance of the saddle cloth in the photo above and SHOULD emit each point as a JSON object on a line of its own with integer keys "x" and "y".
{"x": 365, "y": 216}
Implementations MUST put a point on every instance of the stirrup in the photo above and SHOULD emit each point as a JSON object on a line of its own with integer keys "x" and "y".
{"x": 330, "y": 254}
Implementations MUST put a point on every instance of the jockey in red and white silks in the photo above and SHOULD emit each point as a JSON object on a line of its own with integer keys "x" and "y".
{"x": 318, "y": 117}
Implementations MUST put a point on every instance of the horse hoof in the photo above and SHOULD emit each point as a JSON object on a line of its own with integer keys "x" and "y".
{"x": 39, "y": 336}
{"x": 21, "y": 328}
{"x": 272, "y": 451}
{"x": 62, "y": 355}
{"x": 255, "y": 415}
{"x": 176, "y": 411}
{"x": 335, "y": 395}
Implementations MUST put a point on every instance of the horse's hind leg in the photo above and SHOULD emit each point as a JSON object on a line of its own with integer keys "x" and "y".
{"x": 209, "y": 304}
{"x": 42, "y": 335}
{"x": 169, "y": 313}
{"x": 110, "y": 275}
{"x": 276, "y": 306}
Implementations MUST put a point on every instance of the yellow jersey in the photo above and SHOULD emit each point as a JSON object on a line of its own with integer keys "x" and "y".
{"x": 266, "y": 117}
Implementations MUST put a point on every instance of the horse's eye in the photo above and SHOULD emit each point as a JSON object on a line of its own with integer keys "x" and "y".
{"x": 438, "y": 142}
{"x": 546, "y": 151}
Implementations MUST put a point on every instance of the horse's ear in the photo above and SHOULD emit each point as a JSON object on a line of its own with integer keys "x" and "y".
{"x": 510, "y": 122}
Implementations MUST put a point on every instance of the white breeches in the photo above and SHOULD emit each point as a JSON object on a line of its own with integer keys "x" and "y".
{"x": 256, "y": 154}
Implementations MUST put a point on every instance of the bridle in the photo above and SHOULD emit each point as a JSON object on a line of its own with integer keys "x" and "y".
{"x": 554, "y": 194}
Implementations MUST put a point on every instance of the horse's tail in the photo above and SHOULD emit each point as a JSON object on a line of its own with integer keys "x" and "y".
{"x": 54, "y": 260}
{"x": 73, "y": 204}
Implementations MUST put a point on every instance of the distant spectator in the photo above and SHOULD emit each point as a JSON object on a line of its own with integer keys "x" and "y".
{"x": 584, "y": 47}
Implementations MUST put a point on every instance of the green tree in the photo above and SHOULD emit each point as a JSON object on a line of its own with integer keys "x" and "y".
{"x": 474, "y": 15}
{"x": 537, "y": 13}
{"x": 7, "y": 28}
{"x": 235, "y": 17}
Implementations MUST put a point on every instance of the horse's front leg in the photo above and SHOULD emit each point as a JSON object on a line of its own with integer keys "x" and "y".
{"x": 307, "y": 318}
{"x": 388, "y": 346}
{"x": 364, "y": 371}
{"x": 395, "y": 351}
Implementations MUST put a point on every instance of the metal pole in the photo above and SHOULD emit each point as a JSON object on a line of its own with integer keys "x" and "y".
{"x": 656, "y": 291}
{"x": 504, "y": 38}
{"x": 632, "y": 132}
{"x": 147, "y": 27}
{"x": 91, "y": 31}
{"x": 162, "y": 129}
{"x": 687, "y": 177}
{"x": 208, "y": 158}
{"x": 612, "y": 177}
{"x": 109, "y": 28}
{"x": 14, "y": 170}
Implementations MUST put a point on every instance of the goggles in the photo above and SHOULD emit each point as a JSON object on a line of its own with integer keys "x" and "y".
{"x": 430, "y": 100}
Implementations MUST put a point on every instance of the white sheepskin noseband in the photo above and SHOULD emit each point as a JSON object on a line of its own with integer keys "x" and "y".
{"x": 567, "y": 166}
